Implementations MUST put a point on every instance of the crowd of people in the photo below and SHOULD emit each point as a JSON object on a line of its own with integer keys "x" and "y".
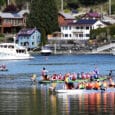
{"x": 72, "y": 76}
{"x": 92, "y": 83}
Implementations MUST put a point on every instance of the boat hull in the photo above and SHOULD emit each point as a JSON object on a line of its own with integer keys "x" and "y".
{"x": 73, "y": 81}
{"x": 15, "y": 57}
{"x": 13, "y": 51}
{"x": 46, "y": 53}
{"x": 60, "y": 81}
{"x": 81, "y": 91}
{"x": 3, "y": 69}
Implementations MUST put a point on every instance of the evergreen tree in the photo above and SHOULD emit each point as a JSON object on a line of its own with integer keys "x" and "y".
{"x": 44, "y": 16}
{"x": 2, "y": 2}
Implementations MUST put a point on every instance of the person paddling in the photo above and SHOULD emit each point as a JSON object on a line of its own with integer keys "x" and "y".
{"x": 103, "y": 86}
{"x": 110, "y": 74}
{"x": 44, "y": 74}
{"x": 68, "y": 83}
{"x": 33, "y": 78}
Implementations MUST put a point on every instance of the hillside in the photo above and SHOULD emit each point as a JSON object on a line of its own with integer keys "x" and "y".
{"x": 78, "y": 5}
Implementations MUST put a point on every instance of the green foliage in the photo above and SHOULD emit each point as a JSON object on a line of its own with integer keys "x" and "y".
{"x": 11, "y": 8}
{"x": 91, "y": 2}
{"x": 22, "y": 3}
{"x": 44, "y": 16}
{"x": 2, "y": 2}
{"x": 112, "y": 30}
{"x": 113, "y": 9}
{"x": 72, "y": 4}
{"x": 103, "y": 33}
{"x": 1, "y": 35}
{"x": 58, "y": 4}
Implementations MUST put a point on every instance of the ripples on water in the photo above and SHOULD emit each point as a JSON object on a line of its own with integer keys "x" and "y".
{"x": 61, "y": 64}
{"x": 18, "y": 96}
{"x": 37, "y": 101}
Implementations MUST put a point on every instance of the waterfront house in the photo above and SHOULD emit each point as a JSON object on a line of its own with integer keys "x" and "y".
{"x": 64, "y": 18}
{"x": 92, "y": 15}
{"x": 78, "y": 29}
{"x": 30, "y": 38}
{"x": 12, "y": 22}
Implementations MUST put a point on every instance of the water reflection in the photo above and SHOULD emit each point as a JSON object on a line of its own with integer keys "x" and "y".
{"x": 87, "y": 104}
{"x": 38, "y": 101}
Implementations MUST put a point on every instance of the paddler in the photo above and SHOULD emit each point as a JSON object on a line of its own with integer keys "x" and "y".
{"x": 110, "y": 74}
{"x": 96, "y": 85}
{"x": 44, "y": 74}
{"x": 111, "y": 83}
{"x": 103, "y": 85}
{"x": 68, "y": 82}
{"x": 33, "y": 78}
{"x": 89, "y": 85}
{"x": 82, "y": 85}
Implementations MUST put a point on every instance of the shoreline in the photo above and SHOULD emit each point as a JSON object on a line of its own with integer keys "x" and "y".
{"x": 73, "y": 53}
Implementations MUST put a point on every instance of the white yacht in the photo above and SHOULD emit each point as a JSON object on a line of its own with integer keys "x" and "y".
{"x": 12, "y": 51}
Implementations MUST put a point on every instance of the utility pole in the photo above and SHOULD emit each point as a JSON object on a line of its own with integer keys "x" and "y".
{"x": 109, "y": 7}
{"x": 8, "y": 2}
{"x": 62, "y": 5}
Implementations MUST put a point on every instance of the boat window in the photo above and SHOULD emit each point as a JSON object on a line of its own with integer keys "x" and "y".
{"x": 5, "y": 46}
{"x": 10, "y": 46}
{"x": 20, "y": 51}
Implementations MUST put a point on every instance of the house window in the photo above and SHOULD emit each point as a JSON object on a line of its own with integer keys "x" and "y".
{"x": 21, "y": 43}
{"x": 28, "y": 37}
{"x": 69, "y": 27}
{"x": 87, "y": 27}
{"x": 80, "y": 35}
{"x": 77, "y": 27}
{"x": 32, "y": 43}
{"x": 87, "y": 35}
{"x": 76, "y": 35}
{"x": 65, "y": 28}
{"x": 66, "y": 35}
{"x": 69, "y": 35}
{"x": 81, "y": 27}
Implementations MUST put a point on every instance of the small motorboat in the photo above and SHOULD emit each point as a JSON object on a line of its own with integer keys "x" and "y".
{"x": 46, "y": 50}
{"x": 3, "y": 68}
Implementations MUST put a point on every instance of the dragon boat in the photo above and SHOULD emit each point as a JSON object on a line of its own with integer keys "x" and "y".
{"x": 73, "y": 81}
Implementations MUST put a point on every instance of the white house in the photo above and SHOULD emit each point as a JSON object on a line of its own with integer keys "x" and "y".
{"x": 80, "y": 30}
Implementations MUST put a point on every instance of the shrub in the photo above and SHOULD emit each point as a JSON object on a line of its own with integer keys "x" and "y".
{"x": 1, "y": 35}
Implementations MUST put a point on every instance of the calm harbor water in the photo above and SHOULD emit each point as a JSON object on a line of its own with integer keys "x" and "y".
{"x": 18, "y": 96}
